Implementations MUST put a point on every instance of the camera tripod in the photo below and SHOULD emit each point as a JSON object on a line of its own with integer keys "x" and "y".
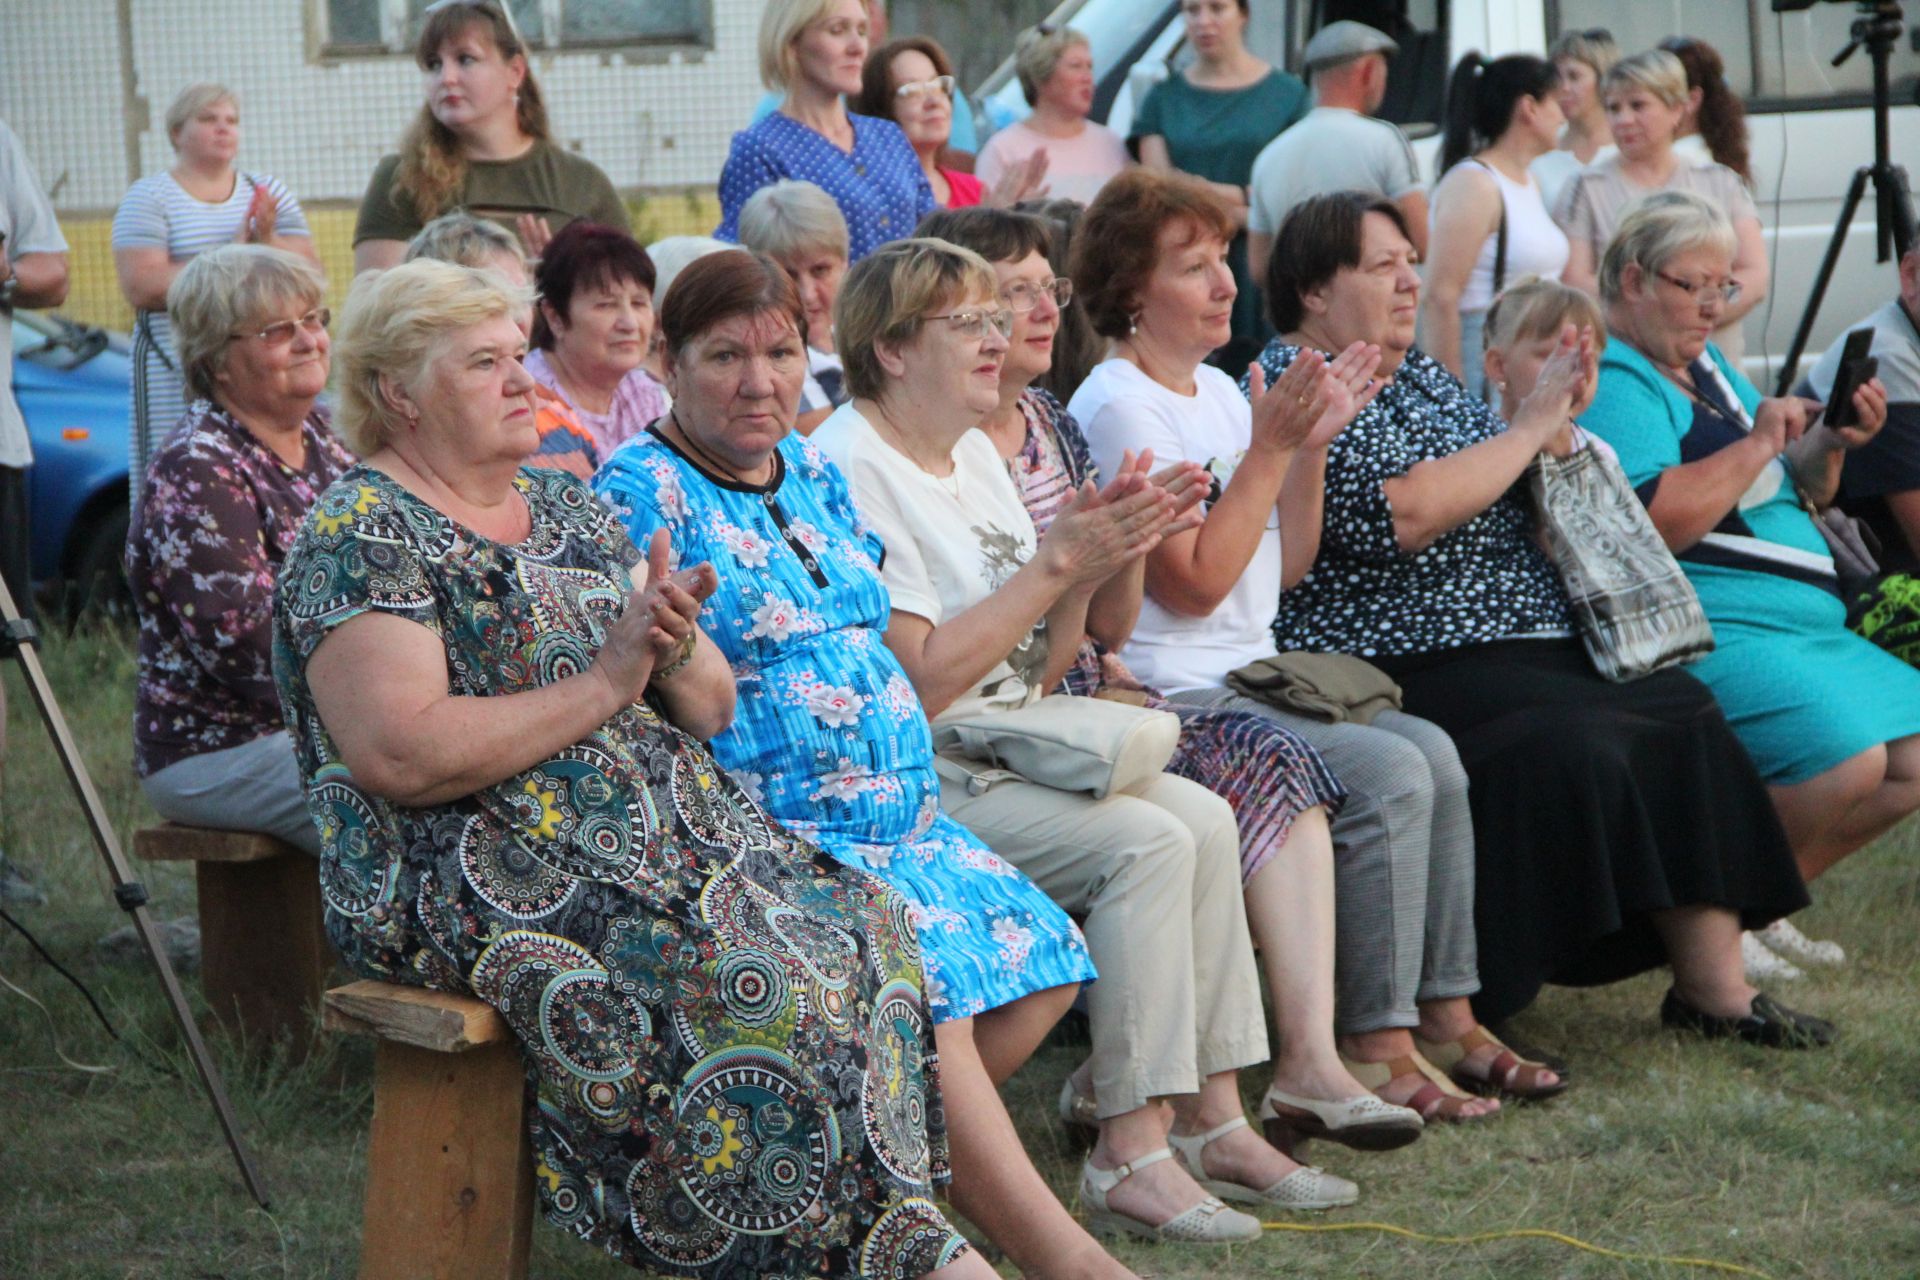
{"x": 1878, "y": 30}
{"x": 18, "y": 639}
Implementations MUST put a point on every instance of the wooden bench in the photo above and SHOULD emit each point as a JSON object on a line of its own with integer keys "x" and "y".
{"x": 264, "y": 956}
{"x": 450, "y": 1166}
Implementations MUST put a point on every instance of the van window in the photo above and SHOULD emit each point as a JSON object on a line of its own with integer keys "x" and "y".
{"x": 1776, "y": 61}
{"x": 1417, "y": 75}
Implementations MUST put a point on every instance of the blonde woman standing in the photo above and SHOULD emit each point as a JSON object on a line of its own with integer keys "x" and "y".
{"x": 164, "y": 220}
{"x": 1583, "y": 59}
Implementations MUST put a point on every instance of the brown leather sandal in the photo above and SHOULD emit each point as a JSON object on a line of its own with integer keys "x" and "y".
{"x": 1507, "y": 1075}
{"x": 1438, "y": 1100}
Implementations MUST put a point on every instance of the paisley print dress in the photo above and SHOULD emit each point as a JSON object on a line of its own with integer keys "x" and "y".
{"x": 725, "y": 1034}
{"x": 829, "y": 733}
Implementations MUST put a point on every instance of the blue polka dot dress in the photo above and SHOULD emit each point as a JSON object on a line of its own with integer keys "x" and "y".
{"x": 881, "y": 189}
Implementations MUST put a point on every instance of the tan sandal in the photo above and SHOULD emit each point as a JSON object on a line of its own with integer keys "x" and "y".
{"x": 1209, "y": 1222}
{"x": 1507, "y": 1075}
{"x": 1437, "y": 1100}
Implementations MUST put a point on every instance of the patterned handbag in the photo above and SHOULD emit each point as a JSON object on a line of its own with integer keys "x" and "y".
{"x": 1635, "y": 608}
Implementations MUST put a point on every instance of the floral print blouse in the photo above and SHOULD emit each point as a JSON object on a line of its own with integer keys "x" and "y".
{"x": 218, "y": 515}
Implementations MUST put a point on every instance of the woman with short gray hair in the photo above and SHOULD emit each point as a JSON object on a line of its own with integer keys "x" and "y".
{"x": 1832, "y": 721}
{"x": 228, "y": 490}
{"x": 164, "y": 220}
{"x": 1055, "y": 66}
{"x": 799, "y": 226}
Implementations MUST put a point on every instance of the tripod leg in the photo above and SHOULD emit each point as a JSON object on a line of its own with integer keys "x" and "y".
{"x": 128, "y": 892}
{"x": 1791, "y": 367}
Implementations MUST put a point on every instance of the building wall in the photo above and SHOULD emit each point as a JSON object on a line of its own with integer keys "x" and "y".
{"x": 657, "y": 121}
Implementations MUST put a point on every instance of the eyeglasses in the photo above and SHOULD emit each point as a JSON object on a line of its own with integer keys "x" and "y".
{"x": 280, "y": 332}
{"x": 914, "y": 89}
{"x": 1706, "y": 291}
{"x": 973, "y": 324}
{"x": 1022, "y": 297}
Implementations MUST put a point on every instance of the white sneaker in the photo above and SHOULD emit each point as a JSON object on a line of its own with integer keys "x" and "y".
{"x": 1763, "y": 965}
{"x": 1783, "y": 939}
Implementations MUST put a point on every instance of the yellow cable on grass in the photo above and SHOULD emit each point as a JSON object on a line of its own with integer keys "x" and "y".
{"x": 1522, "y": 1233}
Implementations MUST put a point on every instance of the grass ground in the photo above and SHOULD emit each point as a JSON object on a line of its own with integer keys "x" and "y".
{"x": 1792, "y": 1165}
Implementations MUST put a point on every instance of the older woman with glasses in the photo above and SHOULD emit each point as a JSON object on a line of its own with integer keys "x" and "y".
{"x": 985, "y": 616}
{"x": 814, "y": 51}
{"x": 499, "y": 704}
{"x": 228, "y": 491}
{"x": 910, "y": 82}
{"x": 1832, "y": 721}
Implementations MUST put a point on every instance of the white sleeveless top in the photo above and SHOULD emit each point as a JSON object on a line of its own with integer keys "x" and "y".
{"x": 1536, "y": 246}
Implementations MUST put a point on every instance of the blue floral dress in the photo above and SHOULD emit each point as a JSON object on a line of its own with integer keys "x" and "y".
{"x": 732, "y": 1066}
{"x": 829, "y": 734}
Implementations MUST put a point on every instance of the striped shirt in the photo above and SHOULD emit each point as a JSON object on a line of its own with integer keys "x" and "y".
{"x": 158, "y": 213}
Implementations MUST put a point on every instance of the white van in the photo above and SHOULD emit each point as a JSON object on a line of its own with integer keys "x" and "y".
{"x": 1811, "y": 122}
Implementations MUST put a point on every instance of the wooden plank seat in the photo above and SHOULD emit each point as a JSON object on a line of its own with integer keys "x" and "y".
{"x": 264, "y": 956}
{"x": 449, "y": 1165}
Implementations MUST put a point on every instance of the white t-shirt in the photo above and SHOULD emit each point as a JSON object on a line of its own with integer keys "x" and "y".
{"x": 951, "y": 541}
{"x": 1121, "y": 408}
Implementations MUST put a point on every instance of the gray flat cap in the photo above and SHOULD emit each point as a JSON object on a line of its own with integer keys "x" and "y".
{"x": 1345, "y": 40}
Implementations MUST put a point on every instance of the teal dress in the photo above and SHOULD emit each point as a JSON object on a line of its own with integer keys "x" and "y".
{"x": 1217, "y": 134}
{"x": 1802, "y": 692}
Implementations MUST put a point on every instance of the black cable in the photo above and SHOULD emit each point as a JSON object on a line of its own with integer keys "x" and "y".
{"x": 62, "y": 971}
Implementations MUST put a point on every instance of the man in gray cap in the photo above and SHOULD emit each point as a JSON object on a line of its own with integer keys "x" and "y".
{"x": 1337, "y": 146}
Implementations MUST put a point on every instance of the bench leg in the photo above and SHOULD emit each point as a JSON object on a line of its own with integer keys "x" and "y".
{"x": 264, "y": 954}
{"x": 449, "y": 1167}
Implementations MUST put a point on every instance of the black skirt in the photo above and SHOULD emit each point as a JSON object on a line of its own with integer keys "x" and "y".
{"x": 1594, "y": 804}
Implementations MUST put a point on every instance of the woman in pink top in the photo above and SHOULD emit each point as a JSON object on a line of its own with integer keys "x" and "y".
{"x": 593, "y": 329}
{"x": 1077, "y": 156}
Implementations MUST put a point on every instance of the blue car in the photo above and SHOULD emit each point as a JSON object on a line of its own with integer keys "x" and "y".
{"x": 72, "y": 383}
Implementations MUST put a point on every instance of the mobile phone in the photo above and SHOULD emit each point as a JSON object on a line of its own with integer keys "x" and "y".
{"x": 1856, "y": 367}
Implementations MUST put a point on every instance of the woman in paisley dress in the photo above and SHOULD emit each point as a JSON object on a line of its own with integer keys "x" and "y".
{"x": 828, "y": 734}
{"x": 499, "y": 713}
{"x": 1599, "y": 853}
{"x": 985, "y": 617}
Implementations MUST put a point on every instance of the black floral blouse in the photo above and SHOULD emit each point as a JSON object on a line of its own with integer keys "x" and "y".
{"x": 1485, "y": 580}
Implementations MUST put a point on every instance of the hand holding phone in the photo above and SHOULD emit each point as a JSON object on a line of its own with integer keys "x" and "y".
{"x": 1856, "y": 368}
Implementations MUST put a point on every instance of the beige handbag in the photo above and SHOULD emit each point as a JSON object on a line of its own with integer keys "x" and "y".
{"x": 1064, "y": 742}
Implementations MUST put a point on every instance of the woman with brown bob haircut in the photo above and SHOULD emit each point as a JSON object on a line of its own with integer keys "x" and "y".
{"x": 1376, "y": 942}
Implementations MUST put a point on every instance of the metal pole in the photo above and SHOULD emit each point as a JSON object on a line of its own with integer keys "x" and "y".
{"x": 18, "y": 638}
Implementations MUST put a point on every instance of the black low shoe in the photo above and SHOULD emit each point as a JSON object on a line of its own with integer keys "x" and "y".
{"x": 1768, "y": 1024}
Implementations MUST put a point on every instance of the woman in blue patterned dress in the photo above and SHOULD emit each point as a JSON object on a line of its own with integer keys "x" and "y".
{"x": 814, "y": 50}
{"x": 498, "y": 725}
{"x": 829, "y": 734}
{"x": 1832, "y": 721}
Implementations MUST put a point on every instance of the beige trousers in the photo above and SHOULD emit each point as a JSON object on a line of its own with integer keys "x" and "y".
{"x": 1155, "y": 873}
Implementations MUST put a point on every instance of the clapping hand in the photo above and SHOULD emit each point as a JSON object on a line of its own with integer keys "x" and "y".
{"x": 535, "y": 234}
{"x": 1313, "y": 400}
{"x": 1024, "y": 181}
{"x": 652, "y": 631}
{"x": 1564, "y": 381}
{"x": 1103, "y": 530}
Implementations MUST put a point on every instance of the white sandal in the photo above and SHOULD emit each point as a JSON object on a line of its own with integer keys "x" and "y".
{"x": 1308, "y": 1187}
{"x": 1762, "y": 963}
{"x": 1364, "y": 1122}
{"x": 1783, "y": 938}
{"x": 1209, "y": 1222}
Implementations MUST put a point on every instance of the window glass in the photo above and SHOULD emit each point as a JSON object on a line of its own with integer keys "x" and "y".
{"x": 1645, "y": 23}
{"x": 526, "y": 16}
{"x": 359, "y": 25}
{"x": 1796, "y": 56}
{"x": 611, "y": 21}
{"x": 353, "y": 22}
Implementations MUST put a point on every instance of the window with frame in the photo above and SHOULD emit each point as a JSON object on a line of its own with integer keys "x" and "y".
{"x": 1776, "y": 61}
{"x": 370, "y": 27}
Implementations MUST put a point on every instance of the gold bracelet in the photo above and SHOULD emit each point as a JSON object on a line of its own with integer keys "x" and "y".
{"x": 686, "y": 655}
